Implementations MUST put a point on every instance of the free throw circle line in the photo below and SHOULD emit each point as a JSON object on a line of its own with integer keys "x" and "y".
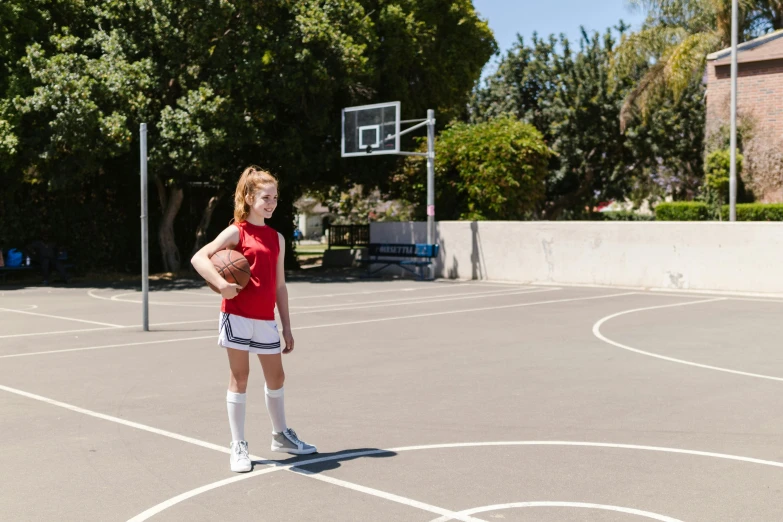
{"x": 361, "y": 306}
{"x": 92, "y": 292}
{"x": 317, "y": 460}
{"x": 332, "y": 325}
{"x": 415, "y": 299}
{"x": 209, "y": 487}
{"x": 59, "y": 317}
{"x": 583, "y": 505}
{"x": 599, "y": 335}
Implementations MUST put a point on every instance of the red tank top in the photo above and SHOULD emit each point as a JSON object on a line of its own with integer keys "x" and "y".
{"x": 261, "y": 246}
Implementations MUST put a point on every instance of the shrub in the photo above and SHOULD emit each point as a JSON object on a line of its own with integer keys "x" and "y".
{"x": 697, "y": 211}
{"x": 682, "y": 211}
{"x": 755, "y": 212}
{"x": 497, "y": 168}
{"x": 622, "y": 215}
{"x": 717, "y": 172}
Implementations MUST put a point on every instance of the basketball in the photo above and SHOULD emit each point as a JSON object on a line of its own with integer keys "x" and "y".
{"x": 232, "y": 266}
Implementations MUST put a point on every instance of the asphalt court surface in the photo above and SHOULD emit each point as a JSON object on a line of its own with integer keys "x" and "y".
{"x": 427, "y": 400}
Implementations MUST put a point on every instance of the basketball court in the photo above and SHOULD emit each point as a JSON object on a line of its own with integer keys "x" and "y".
{"x": 427, "y": 400}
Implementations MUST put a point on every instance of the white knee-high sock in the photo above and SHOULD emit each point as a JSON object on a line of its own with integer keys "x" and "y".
{"x": 275, "y": 405}
{"x": 235, "y": 403}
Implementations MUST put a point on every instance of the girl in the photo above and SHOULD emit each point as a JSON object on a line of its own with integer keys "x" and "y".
{"x": 247, "y": 318}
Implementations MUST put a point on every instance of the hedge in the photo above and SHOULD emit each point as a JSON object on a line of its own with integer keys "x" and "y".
{"x": 755, "y": 212}
{"x": 697, "y": 211}
{"x": 682, "y": 211}
{"x": 622, "y": 215}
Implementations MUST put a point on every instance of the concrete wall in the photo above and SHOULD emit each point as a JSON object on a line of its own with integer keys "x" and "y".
{"x": 741, "y": 257}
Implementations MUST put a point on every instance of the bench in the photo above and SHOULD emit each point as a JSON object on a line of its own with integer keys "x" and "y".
{"x": 34, "y": 267}
{"x": 410, "y": 257}
{"x": 5, "y": 270}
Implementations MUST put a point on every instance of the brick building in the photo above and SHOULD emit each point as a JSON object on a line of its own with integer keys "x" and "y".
{"x": 759, "y": 83}
{"x": 759, "y": 103}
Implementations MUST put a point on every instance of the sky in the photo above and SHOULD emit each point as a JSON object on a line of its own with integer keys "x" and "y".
{"x": 509, "y": 17}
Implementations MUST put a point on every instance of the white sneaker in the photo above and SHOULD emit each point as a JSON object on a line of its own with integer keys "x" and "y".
{"x": 240, "y": 460}
{"x": 287, "y": 442}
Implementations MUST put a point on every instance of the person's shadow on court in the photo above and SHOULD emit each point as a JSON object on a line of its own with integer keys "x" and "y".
{"x": 320, "y": 462}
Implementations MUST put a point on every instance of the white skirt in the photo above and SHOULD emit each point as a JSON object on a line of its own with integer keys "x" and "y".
{"x": 250, "y": 335}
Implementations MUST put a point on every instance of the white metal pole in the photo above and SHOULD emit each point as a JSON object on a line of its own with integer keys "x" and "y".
{"x": 145, "y": 270}
{"x": 430, "y": 177}
{"x": 733, "y": 140}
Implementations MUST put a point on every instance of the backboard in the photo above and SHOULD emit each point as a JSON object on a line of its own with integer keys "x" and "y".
{"x": 371, "y": 129}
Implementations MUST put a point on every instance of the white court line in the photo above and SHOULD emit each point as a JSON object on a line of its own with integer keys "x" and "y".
{"x": 677, "y": 292}
{"x": 317, "y": 460}
{"x": 497, "y": 291}
{"x": 482, "y": 282}
{"x": 59, "y": 317}
{"x": 213, "y": 299}
{"x": 473, "y": 295}
{"x": 118, "y": 420}
{"x": 92, "y": 293}
{"x": 87, "y": 348}
{"x": 402, "y": 301}
{"x": 117, "y": 299}
{"x": 275, "y": 466}
{"x": 154, "y": 510}
{"x": 727, "y": 296}
{"x": 483, "y": 309}
{"x": 429, "y": 286}
{"x": 26, "y": 307}
{"x": 447, "y": 514}
{"x": 599, "y": 335}
{"x": 548, "y": 504}
{"x": 358, "y": 306}
{"x": 107, "y": 328}
{"x": 37, "y": 334}
{"x": 209, "y": 487}
{"x": 329, "y": 325}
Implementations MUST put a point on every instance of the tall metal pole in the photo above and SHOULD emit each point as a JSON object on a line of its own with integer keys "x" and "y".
{"x": 145, "y": 269}
{"x": 430, "y": 177}
{"x": 733, "y": 145}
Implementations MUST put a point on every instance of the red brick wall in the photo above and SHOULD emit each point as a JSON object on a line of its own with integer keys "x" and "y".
{"x": 759, "y": 95}
{"x": 759, "y": 100}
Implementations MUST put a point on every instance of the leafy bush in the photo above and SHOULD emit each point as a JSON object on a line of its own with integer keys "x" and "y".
{"x": 497, "y": 168}
{"x": 682, "y": 211}
{"x": 717, "y": 172}
{"x": 623, "y": 215}
{"x": 755, "y": 212}
{"x": 698, "y": 211}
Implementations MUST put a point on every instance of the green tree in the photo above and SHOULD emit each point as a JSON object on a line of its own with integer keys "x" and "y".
{"x": 222, "y": 85}
{"x": 568, "y": 97}
{"x": 673, "y": 44}
{"x": 716, "y": 173}
{"x": 573, "y": 98}
{"x": 490, "y": 170}
{"x": 717, "y": 179}
{"x": 668, "y": 146}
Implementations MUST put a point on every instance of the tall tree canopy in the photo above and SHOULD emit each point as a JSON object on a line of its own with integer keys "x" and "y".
{"x": 221, "y": 84}
{"x": 573, "y": 98}
{"x": 676, "y": 38}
